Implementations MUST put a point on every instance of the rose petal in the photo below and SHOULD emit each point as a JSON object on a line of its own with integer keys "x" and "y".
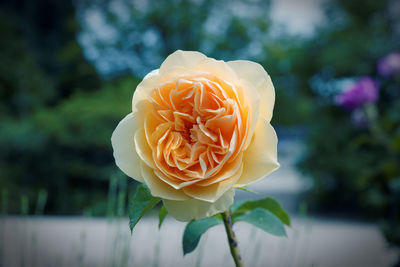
{"x": 180, "y": 61}
{"x": 188, "y": 210}
{"x": 142, "y": 148}
{"x": 260, "y": 159}
{"x": 218, "y": 68}
{"x": 140, "y": 100}
{"x": 214, "y": 191}
{"x": 159, "y": 188}
{"x": 123, "y": 144}
{"x": 256, "y": 75}
{"x": 177, "y": 184}
{"x": 252, "y": 100}
{"x": 229, "y": 169}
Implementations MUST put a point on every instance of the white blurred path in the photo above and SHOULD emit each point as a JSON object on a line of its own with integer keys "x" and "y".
{"x": 98, "y": 242}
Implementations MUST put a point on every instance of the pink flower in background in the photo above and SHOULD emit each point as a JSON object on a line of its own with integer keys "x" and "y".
{"x": 389, "y": 65}
{"x": 364, "y": 91}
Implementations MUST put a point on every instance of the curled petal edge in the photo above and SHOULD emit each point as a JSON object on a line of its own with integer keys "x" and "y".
{"x": 194, "y": 209}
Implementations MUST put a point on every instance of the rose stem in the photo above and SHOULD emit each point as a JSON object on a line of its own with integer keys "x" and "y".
{"x": 233, "y": 243}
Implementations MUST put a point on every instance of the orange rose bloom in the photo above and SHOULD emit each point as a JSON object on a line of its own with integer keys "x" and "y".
{"x": 199, "y": 128}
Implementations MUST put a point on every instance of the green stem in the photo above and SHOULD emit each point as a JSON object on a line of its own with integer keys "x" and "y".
{"x": 233, "y": 243}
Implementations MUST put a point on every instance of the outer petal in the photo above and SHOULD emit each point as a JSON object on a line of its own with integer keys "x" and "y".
{"x": 188, "y": 210}
{"x": 160, "y": 188}
{"x": 214, "y": 191}
{"x": 260, "y": 159}
{"x": 219, "y": 68}
{"x": 140, "y": 99}
{"x": 255, "y": 74}
{"x": 252, "y": 99}
{"x": 181, "y": 61}
{"x": 142, "y": 147}
{"x": 122, "y": 141}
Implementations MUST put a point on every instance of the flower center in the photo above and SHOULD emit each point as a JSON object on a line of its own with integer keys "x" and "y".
{"x": 195, "y": 126}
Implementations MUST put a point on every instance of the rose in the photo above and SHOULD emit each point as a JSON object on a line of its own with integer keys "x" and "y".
{"x": 198, "y": 129}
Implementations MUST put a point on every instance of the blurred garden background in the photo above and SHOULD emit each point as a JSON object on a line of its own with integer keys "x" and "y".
{"x": 68, "y": 70}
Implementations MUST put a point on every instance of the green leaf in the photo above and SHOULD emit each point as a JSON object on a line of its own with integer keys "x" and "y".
{"x": 194, "y": 230}
{"x": 248, "y": 189}
{"x": 264, "y": 220}
{"x": 141, "y": 202}
{"x": 161, "y": 215}
{"x": 267, "y": 203}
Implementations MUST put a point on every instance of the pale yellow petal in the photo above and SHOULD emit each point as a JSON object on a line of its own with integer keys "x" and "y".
{"x": 140, "y": 99}
{"x": 218, "y": 68}
{"x": 159, "y": 188}
{"x": 123, "y": 144}
{"x": 255, "y": 74}
{"x": 188, "y": 210}
{"x": 228, "y": 170}
{"x": 180, "y": 61}
{"x": 212, "y": 192}
{"x": 252, "y": 100}
{"x": 260, "y": 159}
{"x": 176, "y": 184}
{"x": 142, "y": 148}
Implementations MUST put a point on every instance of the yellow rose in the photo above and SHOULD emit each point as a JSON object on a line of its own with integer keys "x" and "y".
{"x": 199, "y": 128}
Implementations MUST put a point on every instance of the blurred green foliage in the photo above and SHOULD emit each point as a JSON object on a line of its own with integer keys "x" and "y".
{"x": 57, "y": 117}
{"x": 352, "y": 171}
{"x": 24, "y": 86}
{"x": 65, "y": 149}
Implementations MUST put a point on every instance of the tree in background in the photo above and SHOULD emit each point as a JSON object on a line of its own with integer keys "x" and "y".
{"x": 136, "y": 36}
{"x": 122, "y": 36}
{"x": 42, "y": 68}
